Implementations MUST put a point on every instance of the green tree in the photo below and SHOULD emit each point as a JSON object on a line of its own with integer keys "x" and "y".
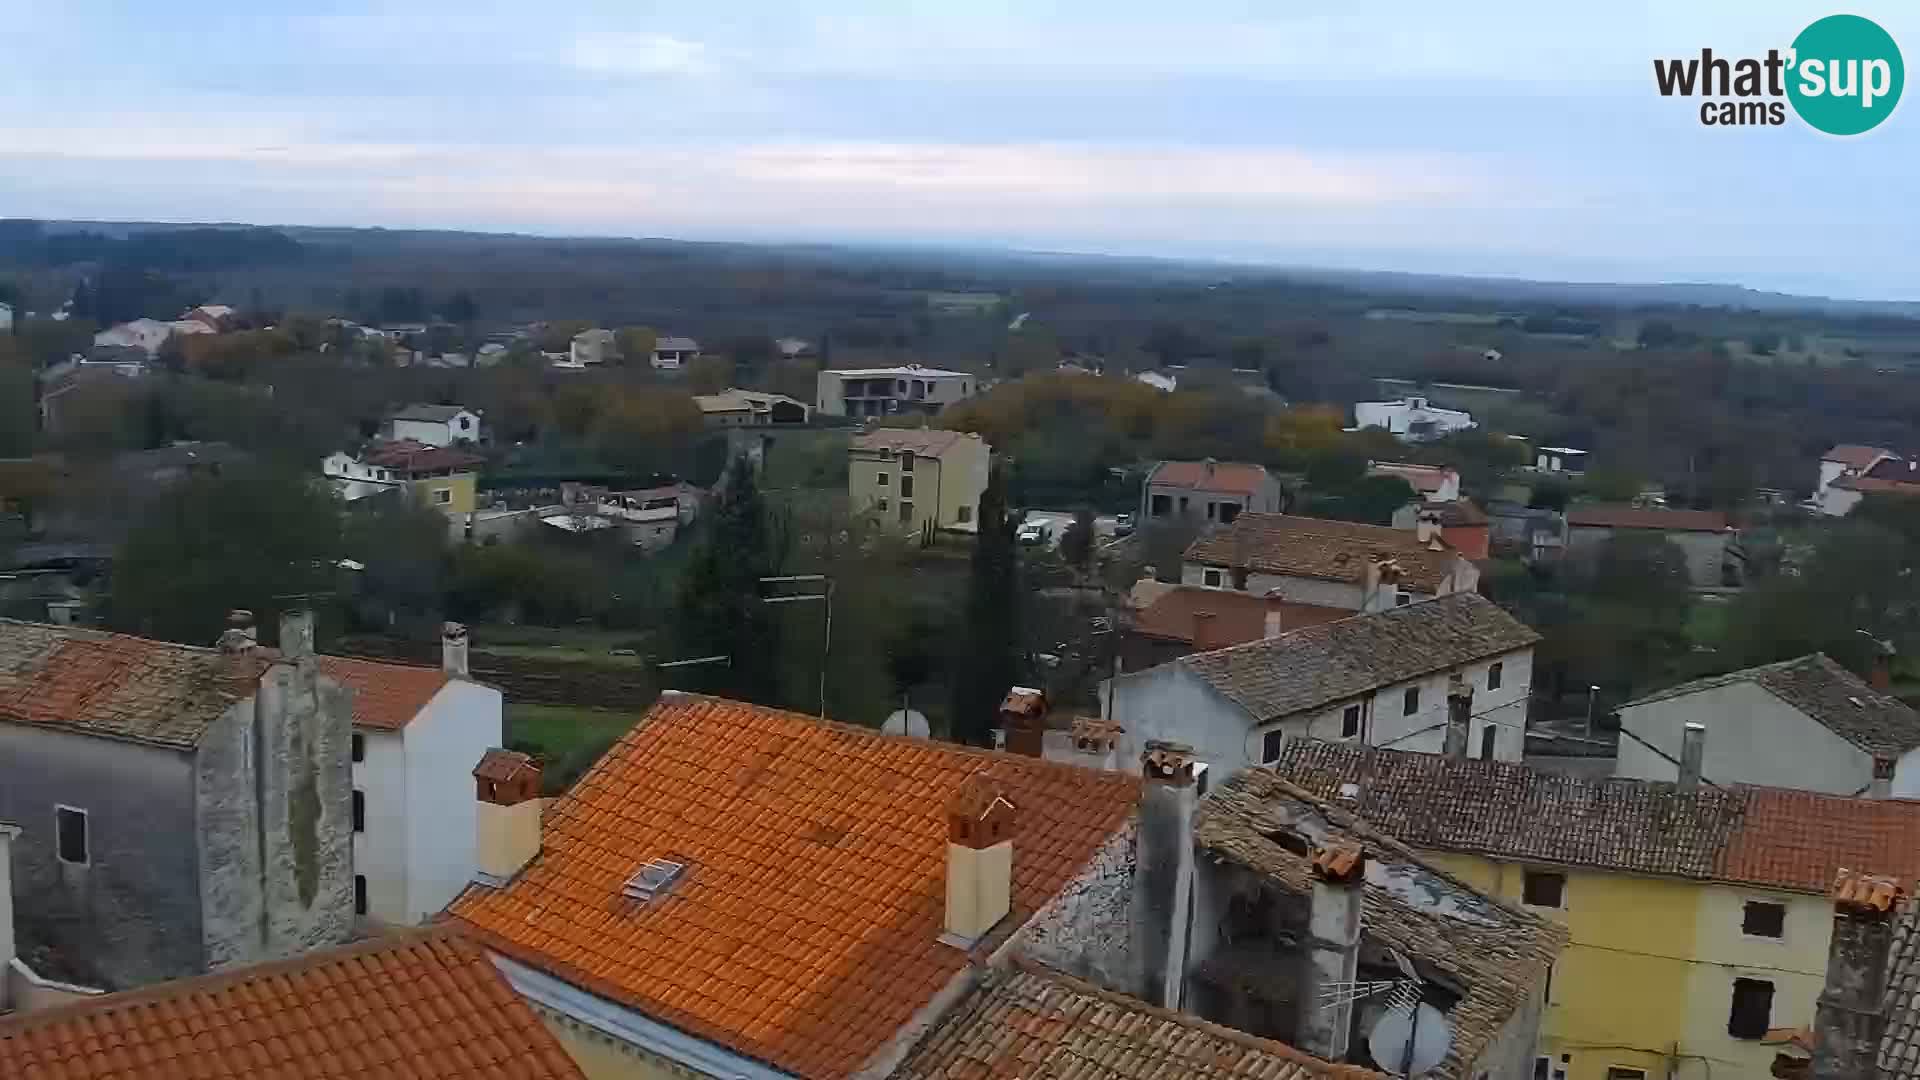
{"x": 460, "y": 309}
{"x": 18, "y": 418}
{"x": 720, "y": 610}
{"x": 988, "y": 661}
{"x": 636, "y": 345}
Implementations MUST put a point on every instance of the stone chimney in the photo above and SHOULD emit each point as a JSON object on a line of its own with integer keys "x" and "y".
{"x": 507, "y": 820}
{"x": 453, "y": 649}
{"x": 1163, "y": 870}
{"x": 1096, "y": 741}
{"x": 8, "y": 833}
{"x": 240, "y": 637}
{"x": 979, "y": 861}
{"x": 296, "y": 634}
{"x": 1339, "y": 875}
{"x": 1459, "y": 717}
{"x": 1274, "y": 625}
{"x": 1849, "y": 1016}
{"x": 1693, "y": 750}
{"x": 1426, "y": 527}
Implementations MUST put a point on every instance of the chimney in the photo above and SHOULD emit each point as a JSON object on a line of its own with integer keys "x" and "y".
{"x": 1693, "y": 749}
{"x": 1208, "y": 466}
{"x": 1849, "y": 1016}
{"x": 240, "y": 637}
{"x": 1881, "y": 786}
{"x": 453, "y": 649}
{"x": 1880, "y": 666}
{"x": 507, "y": 819}
{"x": 1459, "y": 717}
{"x": 1339, "y": 875}
{"x": 1274, "y": 624}
{"x": 1163, "y": 870}
{"x": 1426, "y": 527}
{"x": 8, "y": 833}
{"x": 979, "y": 861}
{"x": 1095, "y": 741}
{"x": 1023, "y": 717}
{"x": 1381, "y": 583}
{"x": 296, "y": 634}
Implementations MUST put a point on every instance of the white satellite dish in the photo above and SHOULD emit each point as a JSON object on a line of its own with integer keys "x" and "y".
{"x": 1409, "y": 1042}
{"x": 910, "y": 722}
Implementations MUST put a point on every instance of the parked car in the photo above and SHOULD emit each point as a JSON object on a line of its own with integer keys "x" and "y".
{"x": 1123, "y": 525}
{"x": 1034, "y": 532}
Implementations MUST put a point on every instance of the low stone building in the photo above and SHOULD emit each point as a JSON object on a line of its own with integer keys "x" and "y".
{"x": 1704, "y": 536}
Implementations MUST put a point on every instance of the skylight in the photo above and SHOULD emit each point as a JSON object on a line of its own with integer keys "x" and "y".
{"x": 653, "y": 879}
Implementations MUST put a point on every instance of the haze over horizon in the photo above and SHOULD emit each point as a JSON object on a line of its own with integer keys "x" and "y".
{"x": 1494, "y": 141}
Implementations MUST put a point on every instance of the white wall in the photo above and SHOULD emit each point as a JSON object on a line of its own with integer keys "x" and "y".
{"x": 443, "y": 744}
{"x": 7, "y": 833}
{"x": 1838, "y": 502}
{"x": 380, "y": 853}
{"x": 438, "y": 433}
{"x": 1752, "y": 738}
{"x": 1906, "y": 776}
{"x": 1170, "y": 703}
{"x": 1300, "y": 590}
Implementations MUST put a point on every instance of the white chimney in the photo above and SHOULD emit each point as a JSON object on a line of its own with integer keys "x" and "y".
{"x": 8, "y": 832}
{"x": 1339, "y": 875}
{"x": 507, "y": 820}
{"x": 979, "y": 861}
{"x": 453, "y": 649}
{"x": 296, "y": 634}
{"x": 1426, "y": 527}
{"x": 1273, "y": 627}
{"x": 1693, "y": 750}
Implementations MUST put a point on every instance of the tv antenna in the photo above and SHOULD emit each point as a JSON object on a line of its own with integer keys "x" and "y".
{"x": 1410, "y": 1037}
{"x": 1401, "y": 992}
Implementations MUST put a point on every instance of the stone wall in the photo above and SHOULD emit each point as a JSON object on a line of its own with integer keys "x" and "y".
{"x": 305, "y": 726}
{"x": 1087, "y": 929}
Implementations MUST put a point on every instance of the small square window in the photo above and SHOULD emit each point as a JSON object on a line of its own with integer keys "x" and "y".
{"x": 1543, "y": 888}
{"x": 882, "y": 505}
{"x": 1752, "y": 1010}
{"x": 1211, "y": 577}
{"x": 1350, "y": 722}
{"x": 906, "y": 487}
{"x": 906, "y": 511}
{"x": 70, "y": 828}
{"x": 906, "y": 464}
{"x": 1410, "y": 701}
{"x": 1621, "y": 1072}
{"x": 359, "y": 747}
{"x": 882, "y": 479}
{"x": 1270, "y": 745}
{"x": 443, "y": 496}
{"x": 359, "y": 810}
{"x": 1494, "y": 672}
{"x": 965, "y": 515}
{"x": 1401, "y": 599}
{"x": 1763, "y": 919}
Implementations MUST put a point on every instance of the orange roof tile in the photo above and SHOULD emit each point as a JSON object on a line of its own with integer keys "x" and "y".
{"x": 427, "y": 1005}
{"x": 804, "y": 930}
{"x": 385, "y": 696}
{"x": 1238, "y": 617}
{"x": 1802, "y": 839}
{"x": 502, "y": 765}
{"x": 1855, "y": 455}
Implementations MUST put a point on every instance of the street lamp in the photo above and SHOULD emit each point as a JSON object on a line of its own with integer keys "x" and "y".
{"x": 826, "y": 597}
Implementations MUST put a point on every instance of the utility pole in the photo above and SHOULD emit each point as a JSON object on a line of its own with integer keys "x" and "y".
{"x": 825, "y": 596}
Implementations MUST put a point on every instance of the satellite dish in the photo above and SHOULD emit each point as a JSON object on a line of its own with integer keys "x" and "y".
{"x": 911, "y": 722}
{"x": 1410, "y": 1042}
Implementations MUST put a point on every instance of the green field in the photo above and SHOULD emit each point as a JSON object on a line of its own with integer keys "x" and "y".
{"x": 568, "y": 739}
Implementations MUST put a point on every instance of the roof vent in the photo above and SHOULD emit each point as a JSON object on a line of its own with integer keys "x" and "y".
{"x": 653, "y": 879}
{"x": 1349, "y": 791}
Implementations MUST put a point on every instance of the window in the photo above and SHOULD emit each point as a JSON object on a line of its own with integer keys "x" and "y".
{"x": 906, "y": 486}
{"x": 1488, "y": 735}
{"x": 1183, "y": 504}
{"x": 906, "y": 511}
{"x": 1401, "y": 599}
{"x": 1270, "y": 745}
{"x": 1229, "y": 511}
{"x": 906, "y": 465}
{"x": 1763, "y": 919}
{"x": 1621, "y": 1072}
{"x": 1410, "y": 701}
{"x": 880, "y": 479}
{"x": 359, "y": 894}
{"x": 882, "y": 505}
{"x": 1494, "y": 671}
{"x": 359, "y": 747}
{"x": 966, "y": 514}
{"x": 1159, "y": 506}
{"x": 442, "y": 495}
{"x": 70, "y": 831}
{"x": 466, "y": 422}
{"x": 1350, "y": 722}
{"x": 1212, "y": 508}
{"x": 1752, "y": 1011}
{"x": 359, "y": 810}
{"x": 1543, "y": 888}
{"x": 1211, "y": 577}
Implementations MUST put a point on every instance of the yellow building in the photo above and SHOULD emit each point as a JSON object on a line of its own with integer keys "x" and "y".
{"x": 1699, "y": 920}
{"x": 921, "y": 479}
{"x": 440, "y": 477}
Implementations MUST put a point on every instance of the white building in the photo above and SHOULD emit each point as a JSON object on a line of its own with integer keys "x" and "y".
{"x": 1339, "y": 564}
{"x": 1806, "y": 723}
{"x": 674, "y": 353}
{"x": 887, "y": 391}
{"x": 434, "y": 425}
{"x": 353, "y": 479}
{"x": 590, "y": 348}
{"x": 1847, "y": 460}
{"x": 1560, "y": 459}
{"x": 1166, "y": 384}
{"x": 145, "y": 334}
{"x": 417, "y": 733}
{"x": 1380, "y": 679}
{"x": 6, "y": 316}
{"x": 1411, "y": 419}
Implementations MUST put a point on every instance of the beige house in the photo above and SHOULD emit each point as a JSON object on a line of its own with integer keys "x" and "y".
{"x": 734, "y": 407}
{"x": 923, "y": 479}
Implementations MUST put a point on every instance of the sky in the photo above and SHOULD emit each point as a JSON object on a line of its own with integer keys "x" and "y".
{"x": 1483, "y": 137}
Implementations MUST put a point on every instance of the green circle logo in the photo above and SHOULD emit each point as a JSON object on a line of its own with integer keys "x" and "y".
{"x": 1845, "y": 75}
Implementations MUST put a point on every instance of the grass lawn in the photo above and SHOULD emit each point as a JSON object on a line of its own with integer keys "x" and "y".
{"x": 569, "y": 739}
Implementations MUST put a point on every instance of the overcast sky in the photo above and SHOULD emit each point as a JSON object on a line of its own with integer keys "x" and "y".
{"x": 1484, "y": 137}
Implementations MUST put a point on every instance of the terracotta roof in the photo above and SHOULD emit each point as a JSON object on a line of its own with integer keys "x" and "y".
{"x": 1896, "y": 469}
{"x": 1828, "y": 693}
{"x": 1032, "y": 1022}
{"x": 1329, "y": 550}
{"x": 1614, "y": 516}
{"x": 406, "y": 455}
{"x": 1422, "y": 478}
{"x": 501, "y": 765}
{"x": 1238, "y": 617}
{"x": 804, "y": 931}
{"x": 927, "y": 442}
{"x": 1874, "y": 485}
{"x": 386, "y": 697}
{"x": 1320, "y": 665}
{"x": 1230, "y": 477}
{"x": 116, "y": 686}
{"x": 1772, "y": 837}
{"x": 1854, "y": 455}
{"x": 1496, "y": 953}
{"x": 421, "y": 1004}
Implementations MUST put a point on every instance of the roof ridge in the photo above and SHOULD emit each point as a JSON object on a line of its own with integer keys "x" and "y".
{"x": 89, "y": 633}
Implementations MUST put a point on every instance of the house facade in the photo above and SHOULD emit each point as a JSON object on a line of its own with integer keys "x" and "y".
{"x": 443, "y": 478}
{"x": 1396, "y": 678}
{"x": 1698, "y": 916}
{"x": 674, "y": 353}
{"x": 1207, "y": 492}
{"x": 1804, "y": 723}
{"x": 433, "y": 425}
{"x": 1329, "y": 563}
{"x": 891, "y": 391}
{"x": 734, "y": 407}
{"x": 1412, "y": 419}
{"x": 591, "y": 348}
{"x": 1432, "y": 483}
{"x": 181, "y": 810}
{"x": 1702, "y": 535}
{"x": 918, "y": 481}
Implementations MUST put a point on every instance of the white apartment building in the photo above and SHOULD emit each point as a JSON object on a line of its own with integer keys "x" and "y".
{"x": 888, "y": 391}
{"x": 1411, "y": 419}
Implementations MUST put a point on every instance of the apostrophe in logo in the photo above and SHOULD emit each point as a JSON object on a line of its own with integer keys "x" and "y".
{"x": 1842, "y": 75}
{"x": 1846, "y": 74}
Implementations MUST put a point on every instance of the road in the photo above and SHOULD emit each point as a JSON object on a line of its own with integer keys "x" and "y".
{"x": 1103, "y": 525}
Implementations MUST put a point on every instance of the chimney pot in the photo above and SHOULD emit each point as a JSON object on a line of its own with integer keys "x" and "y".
{"x": 507, "y": 819}
{"x": 980, "y": 822}
{"x": 453, "y": 649}
{"x": 1693, "y": 749}
{"x": 1167, "y": 762}
{"x": 240, "y": 637}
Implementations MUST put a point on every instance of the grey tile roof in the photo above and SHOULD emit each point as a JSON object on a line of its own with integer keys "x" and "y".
{"x": 1498, "y": 953}
{"x": 1900, "y": 1044}
{"x": 1294, "y": 546}
{"x": 1507, "y": 810}
{"x": 1833, "y": 696}
{"x": 433, "y": 414}
{"x": 1319, "y": 665}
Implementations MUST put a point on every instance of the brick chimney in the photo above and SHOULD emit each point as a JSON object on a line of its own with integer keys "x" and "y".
{"x": 507, "y": 820}
{"x": 239, "y": 637}
{"x": 1693, "y": 750}
{"x": 1023, "y": 719}
{"x": 1849, "y": 1017}
{"x": 453, "y": 649}
{"x": 979, "y": 860}
{"x": 1339, "y": 875}
{"x": 1096, "y": 741}
{"x": 1163, "y": 869}
{"x": 1459, "y": 717}
{"x": 1880, "y": 666}
{"x": 8, "y": 833}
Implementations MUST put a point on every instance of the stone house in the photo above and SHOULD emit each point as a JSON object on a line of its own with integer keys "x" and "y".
{"x": 182, "y": 810}
{"x": 1207, "y": 492}
{"x": 1338, "y": 564}
{"x": 1704, "y": 536}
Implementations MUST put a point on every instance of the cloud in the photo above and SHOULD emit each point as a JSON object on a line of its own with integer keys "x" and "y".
{"x": 640, "y": 54}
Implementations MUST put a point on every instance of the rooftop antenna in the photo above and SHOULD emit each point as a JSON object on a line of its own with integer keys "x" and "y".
{"x": 1401, "y": 992}
{"x": 1410, "y": 1037}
